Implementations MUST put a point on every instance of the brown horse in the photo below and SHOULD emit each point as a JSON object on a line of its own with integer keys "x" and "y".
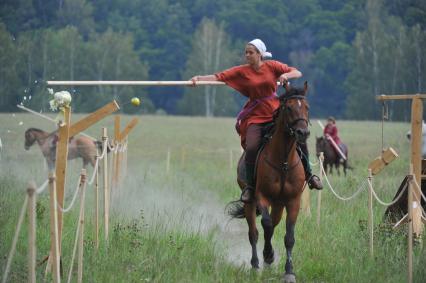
{"x": 80, "y": 146}
{"x": 331, "y": 157}
{"x": 280, "y": 179}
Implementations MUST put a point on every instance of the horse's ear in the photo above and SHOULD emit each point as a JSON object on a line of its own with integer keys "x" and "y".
{"x": 305, "y": 85}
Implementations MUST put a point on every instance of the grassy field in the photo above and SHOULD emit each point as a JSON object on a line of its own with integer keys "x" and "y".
{"x": 171, "y": 227}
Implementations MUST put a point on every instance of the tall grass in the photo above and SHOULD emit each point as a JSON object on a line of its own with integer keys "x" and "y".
{"x": 171, "y": 227}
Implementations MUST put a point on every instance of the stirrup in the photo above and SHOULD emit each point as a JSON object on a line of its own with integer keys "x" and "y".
{"x": 247, "y": 195}
{"x": 314, "y": 182}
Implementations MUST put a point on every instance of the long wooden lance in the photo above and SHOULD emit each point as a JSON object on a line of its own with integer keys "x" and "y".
{"x": 332, "y": 142}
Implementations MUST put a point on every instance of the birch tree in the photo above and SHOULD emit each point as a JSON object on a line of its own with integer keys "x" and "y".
{"x": 211, "y": 52}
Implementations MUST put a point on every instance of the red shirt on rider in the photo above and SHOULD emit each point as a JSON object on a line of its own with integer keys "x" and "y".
{"x": 331, "y": 130}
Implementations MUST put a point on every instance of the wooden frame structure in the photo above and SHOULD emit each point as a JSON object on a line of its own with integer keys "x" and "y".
{"x": 416, "y": 150}
{"x": 65, "y": 131}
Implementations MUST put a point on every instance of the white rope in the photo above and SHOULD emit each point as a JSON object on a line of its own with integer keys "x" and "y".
{"x": 42, "y": 187}
{"x": 392, "y": 202}
{"x": 361, "y": 187}
{"x": 73, "y": 198}
{"x": 104, "y": 149}
{"x": 95, "y": 170}
{"x": 15, "y": 240}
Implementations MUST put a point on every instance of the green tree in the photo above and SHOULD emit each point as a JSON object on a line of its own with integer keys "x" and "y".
{"x": 9, "y": 80}
{"x": 211, "y": 52}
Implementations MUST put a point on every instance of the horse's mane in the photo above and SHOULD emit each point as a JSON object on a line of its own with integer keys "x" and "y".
{"x": 35, "y": 130}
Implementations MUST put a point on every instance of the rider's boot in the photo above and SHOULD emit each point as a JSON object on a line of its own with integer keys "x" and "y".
{"x": 313, "y": 181}
{"x": 247, "y": 195}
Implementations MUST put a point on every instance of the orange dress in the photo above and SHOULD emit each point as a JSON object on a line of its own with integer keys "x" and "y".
{"x": 260, "y": 87}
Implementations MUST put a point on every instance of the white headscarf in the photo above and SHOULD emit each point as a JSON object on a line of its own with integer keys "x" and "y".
{"x": 261, "y": 47}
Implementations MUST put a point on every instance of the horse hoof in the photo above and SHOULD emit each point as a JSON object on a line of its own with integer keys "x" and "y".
{"x": 255, "y": 264}
{"x": 289, "y": 278}
{"x": 269, "y": 259}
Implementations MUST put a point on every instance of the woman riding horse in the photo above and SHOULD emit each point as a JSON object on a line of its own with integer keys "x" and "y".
{"x": 257, "y": 80}
{"x": 280, "y": 179}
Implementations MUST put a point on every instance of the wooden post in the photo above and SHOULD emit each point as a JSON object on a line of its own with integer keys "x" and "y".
{"x": 54, "y": 231}
{"x": 321, "y": 161}
{"x": 97, "y": 202}
{"x": 410, "y": 225}
{"x": 32, "y": 232}
{"x": 168, "y": 161}
{"x": 370, "y": 211}
{"x": 81, "y": 236}
{"x": 115, "y": 162}
{"x": 416, "y": 160}
{"x": 306, "y": 201}
{"x": 105, "y": 183}
{"x": 61, "y": 166}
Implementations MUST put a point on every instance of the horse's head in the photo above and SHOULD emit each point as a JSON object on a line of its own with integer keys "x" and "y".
{"x": 320, "y": 145}
{"x": 30, "y": 138}
{"x": 295, "y": 110}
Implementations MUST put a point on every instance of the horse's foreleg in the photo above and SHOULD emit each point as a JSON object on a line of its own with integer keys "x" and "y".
{"x": 253, "y": 234}
{"x": 289, "y": 240}
{"x": 268, "y": 232}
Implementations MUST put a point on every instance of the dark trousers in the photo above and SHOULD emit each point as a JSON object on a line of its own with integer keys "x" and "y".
{"x": 253, "y": 140}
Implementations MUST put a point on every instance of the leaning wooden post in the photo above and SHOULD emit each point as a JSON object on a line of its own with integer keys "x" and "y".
{"x": 410, "y": 225}
{"x": 32, "y": 232}
{"x": 321, "y": 161}
{"x": 81, "y": 219}
{"x": 370, "y": 211}
{"x": 106, "y": 185}
{"x": 61, "y": 165}
{"x": 54, "y": 231}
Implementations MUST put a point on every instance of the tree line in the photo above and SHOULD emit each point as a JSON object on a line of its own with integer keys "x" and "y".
{"x": 348, "y": 50}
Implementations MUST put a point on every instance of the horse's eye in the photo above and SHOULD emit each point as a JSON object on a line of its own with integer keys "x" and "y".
{"x": 289, "y": 109}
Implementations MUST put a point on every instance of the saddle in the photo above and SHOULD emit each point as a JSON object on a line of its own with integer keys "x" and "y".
{"x": 267, "y": 132}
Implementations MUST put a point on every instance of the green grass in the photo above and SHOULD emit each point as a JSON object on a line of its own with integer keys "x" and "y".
{"x": 172, "y": 227}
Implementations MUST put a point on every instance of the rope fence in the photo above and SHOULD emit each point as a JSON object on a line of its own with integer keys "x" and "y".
{"x": 30, "y": 201}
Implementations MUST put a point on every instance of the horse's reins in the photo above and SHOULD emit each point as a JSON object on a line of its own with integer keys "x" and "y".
{"x": 289, "y": 129}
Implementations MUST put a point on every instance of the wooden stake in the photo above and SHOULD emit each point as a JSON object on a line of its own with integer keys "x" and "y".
{"x": 370, "y": 211}
{"x": 61, "y": 166}
{"x": 106, "y": 187}
{"x": 410, "y": 226}
{"x": 32, "y": 233}
{"x": 81, "y": 219}
{"x": 416, "y": 160}
{"x": 321, "y": 162}
{"x": 54, "y": 230}
{"x": 97, "y": 203}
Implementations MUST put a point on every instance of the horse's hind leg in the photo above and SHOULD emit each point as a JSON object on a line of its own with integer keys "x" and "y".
{"x": 268, "y": 231}
{"x": 253, "y": 234}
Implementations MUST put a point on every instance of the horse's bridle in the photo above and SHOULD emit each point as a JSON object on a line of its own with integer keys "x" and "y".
{"x": 289, "y": 127}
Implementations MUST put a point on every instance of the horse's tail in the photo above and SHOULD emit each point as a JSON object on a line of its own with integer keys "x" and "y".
{"x": 235, "y": 209}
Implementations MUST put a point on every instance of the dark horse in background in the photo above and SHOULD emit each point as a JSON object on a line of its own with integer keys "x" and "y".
{"x": 280, "y": 179}
{"x": 331, "y": 157}
{"x": 78, "y": 147}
